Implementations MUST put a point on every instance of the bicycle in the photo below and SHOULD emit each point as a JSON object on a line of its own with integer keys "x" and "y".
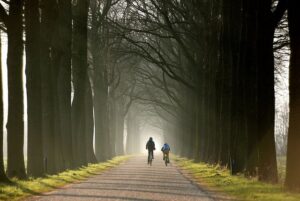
{"x": 150, "y": 158}
{"x": 166, "y": 158}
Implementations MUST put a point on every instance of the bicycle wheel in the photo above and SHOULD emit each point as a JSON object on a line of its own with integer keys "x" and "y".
{"x": 150, "y": 159}
{"x": 166, "y": 159}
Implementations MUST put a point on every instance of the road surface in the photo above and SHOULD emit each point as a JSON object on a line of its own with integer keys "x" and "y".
{"x": 132, "y": 180}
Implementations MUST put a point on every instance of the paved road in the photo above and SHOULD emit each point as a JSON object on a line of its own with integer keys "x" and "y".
{"x": 133, "y": 180}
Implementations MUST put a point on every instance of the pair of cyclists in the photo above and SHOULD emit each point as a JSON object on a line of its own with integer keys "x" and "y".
{"x": 151, "y": 147}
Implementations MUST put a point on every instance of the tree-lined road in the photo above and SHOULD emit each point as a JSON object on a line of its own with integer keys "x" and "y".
{"x": 133, "y": 180}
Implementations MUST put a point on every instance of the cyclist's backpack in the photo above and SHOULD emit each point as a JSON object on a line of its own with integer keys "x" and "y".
{"x": 150, "y": 145}
{"x": 166, "y": 147}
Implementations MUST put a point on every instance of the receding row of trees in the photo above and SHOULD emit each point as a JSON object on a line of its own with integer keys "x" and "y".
{"x": 215, "y": 83}
{"x": 206, "y": 68}
{"x": 75, "y": 92}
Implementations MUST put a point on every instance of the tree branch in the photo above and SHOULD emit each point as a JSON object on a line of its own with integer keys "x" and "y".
{"x": 3, "y": 15}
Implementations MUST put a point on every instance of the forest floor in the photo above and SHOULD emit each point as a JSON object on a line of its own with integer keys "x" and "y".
{"x": 134, "y": 180}
{"x": 218, "y": 179}
{"x": 20, "y": 189}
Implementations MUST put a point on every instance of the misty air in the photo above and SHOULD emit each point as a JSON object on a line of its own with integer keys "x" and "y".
{"x": 149, "y": 100}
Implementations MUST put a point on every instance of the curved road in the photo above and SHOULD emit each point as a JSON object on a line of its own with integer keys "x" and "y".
{"x": 132, "y": 180}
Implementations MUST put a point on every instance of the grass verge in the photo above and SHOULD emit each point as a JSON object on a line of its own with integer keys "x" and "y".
{"x": 237, "y": 187}
{"x": 21, "y": 189}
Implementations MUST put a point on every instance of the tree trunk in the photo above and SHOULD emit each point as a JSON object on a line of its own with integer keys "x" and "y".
{"x": 293, "y": 150}
{"x": 226, "y": 87}
{"x": 197, "y": 134}
{"x": 48, "y": 15}
{"x": 101, "y": 127}
{"x": 250, "y": 66}
{"x": 79, "y": 72}
{"x": 63, "y": 85}
{"x": 113, "y": 125}
{"x": 89, "y": 124}
{"x": 100, "y": 87}
{"x": 102, "y": 144}
{"x": 120, "y": 132}
{"x": 33, "y": 80}
{"x": 267, "y": 166}
{"x": 130, "y": 134}
{"x": 3, "y": 177}
{"x": 15, "y": 122}
{"x": 56, "y": 54}
{"x": 133, "y": 136}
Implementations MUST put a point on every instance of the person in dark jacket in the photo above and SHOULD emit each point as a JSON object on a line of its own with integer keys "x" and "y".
{"x": 151, "y": 147}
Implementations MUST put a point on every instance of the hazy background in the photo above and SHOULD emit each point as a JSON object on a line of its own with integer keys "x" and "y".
{"x": 281, "y": 89}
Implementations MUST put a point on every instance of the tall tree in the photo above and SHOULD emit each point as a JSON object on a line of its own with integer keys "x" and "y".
{"x": 63, "y": 82}
{"x": 133, "y": 134}
{"x": 267, "y": 23}
{"x": 100, "y": 81}
{"x": 48, "y": 19}
{"x": 15, "y": 122}
{"x": 3, "y": 177}
{"x": 89, "y": 124}
{"x": 293, "y": 150}
{"x": 79, "y": 72}
{"x": 33, "y": 80}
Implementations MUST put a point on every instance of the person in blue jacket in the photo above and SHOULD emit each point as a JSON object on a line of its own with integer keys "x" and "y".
{"x": 166, "y": 149}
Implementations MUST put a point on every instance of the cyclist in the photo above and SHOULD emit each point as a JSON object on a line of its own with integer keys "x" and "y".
{"x": 166, "y": 149}
{"x": 150, "y": 146}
